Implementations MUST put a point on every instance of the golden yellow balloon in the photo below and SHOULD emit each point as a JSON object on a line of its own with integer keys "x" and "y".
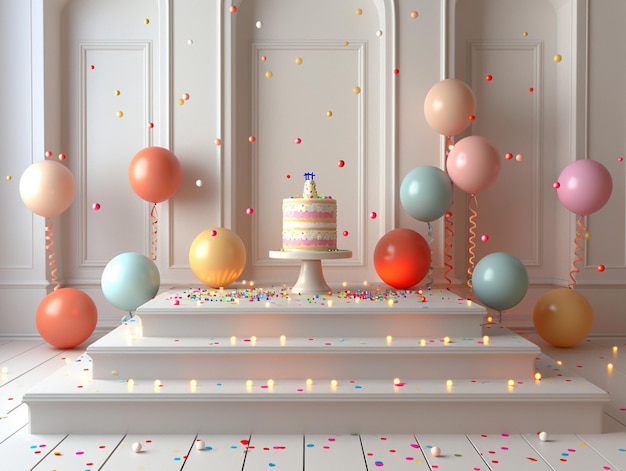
{"x": 217, "y": 257}
{"x": 563, "y": 317}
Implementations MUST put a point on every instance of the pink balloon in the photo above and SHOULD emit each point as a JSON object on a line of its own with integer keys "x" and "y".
{"x": 473, "y": 164}
{"x": 584, "y": 186}
{"x": 448, "y": 107}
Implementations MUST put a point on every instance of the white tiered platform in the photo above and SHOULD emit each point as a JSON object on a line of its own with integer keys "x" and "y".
{"x": 250, "y": 360}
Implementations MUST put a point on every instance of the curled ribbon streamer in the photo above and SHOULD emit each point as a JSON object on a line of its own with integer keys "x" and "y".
{"x": 51, "y": 256}
{"x": 430, "y": 280}
{"x": 578, "y": 250}
{"x": 154, "y": 222}
{"x": 472, "y": 238}
{"x": 447, "y": 255}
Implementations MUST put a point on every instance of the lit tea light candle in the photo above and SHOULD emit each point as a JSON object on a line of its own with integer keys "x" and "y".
{"x": 330, "y": 303}
{"x": 390, "y": 302}
{"x": 5, "y": 370}
{"x": 510, "y": 383}
{"x": 559, "y": 362}
{"x": 267, "y": 304}
{"x": 253, "y": 340}
{"x": 233, "y": 340}
{"x": 283, "y": 340}
{"x": 396, "y": 381}
{"x": 68, "y": 361}
{"x": 486, "y": 339}
{"x": 157, "y": 385}
{"x": 389, "y": 339}
{"x": 365, "y": 283}
{"x": 615, "y": 349}
{"x": 193, "y": 384}
{"x": 469, "y": 303}
{"x": 333, "y": 385}
{"x": 446, "y": 340}
{"x": 251, "y": 283}
{"x": 537, "y": 376}
{"x": 609, "y": 367}
{"x": 357, "y": 300}
{"x": 270, "y": 383}
{"x": 130, "y": 385}
{"x": 309, "y": 382}
{"x": 423, "y": 343}
{"x": 449, "y": 384}
{"x": 489, "y": 320}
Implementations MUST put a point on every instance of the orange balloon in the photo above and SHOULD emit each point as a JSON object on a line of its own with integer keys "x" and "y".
{"x": 402, "y": 258}
{"x": 66, "y": 317}
{"x": 154, "y": 174}
{"x": 47, "y": 188}
{"x": 563, "y": 317}
{"x": 217, "y": 257}
{"x": 448, "y": 107}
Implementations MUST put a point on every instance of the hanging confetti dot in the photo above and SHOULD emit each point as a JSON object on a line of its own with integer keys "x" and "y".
{"x": 379, "y": 33}
{"x": 185, "y": 96}
{"x": 259, "y": 24}
{"x": 359, "y": 12}
{"x": 252, "y": 139}
{"x": 92, "y": 67}
{"x": 329, "y": 113}
{"x": 484, "y": 238}
{"x": 345, "y": 233}
{"x": 190, "y": 42}
{"x": 396, "y": 71}
{"x": 233, "y": 9}
{"x": 508, "y": 156}
{"x": 287, "y": 176}
{"x": 620, "y": 159}
{"x": 269, "y": 74}
{"x": 340, "y": 163}
{"x": 356, "y": 90}
{"x": 601, "y": 268}
{"x": 525, "y": 33}
{"x": 61, "y": 157}
{"x": 117, "y": 93}
{"x": 557, "y": 58}
{"x": 373, "y": 215}
{"x": 298, "y": 140}
{"x": 9, "y": 178}
{"x": 263, "y": 58}
{"x": 150, "y": 125}
{"x": 96, "y": 206}
{"x": 556, "y": 185}
{"x": 414, "y": 14}
{"x": 472, "y": 117}
{"x": 346, "y": 43}
{"x": 519, "y": 157}
{"x": 48, "y": 154}
{"x": 489, "y": 78}
{"x": 146, "y": 21}
{"x": 213, "y": 233}
{"x": 298, "y": 61}
{"x": 218, "y": 142}
{"x": 531, "y": 89}
{"x": 199, "y": 183}
{"x": 448, "y": 214}
{"x": 181, "y": 102}
{"x": 249, "y": 211}
{"x": 587, "y": 236}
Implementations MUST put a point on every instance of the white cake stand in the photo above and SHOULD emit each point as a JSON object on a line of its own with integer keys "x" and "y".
{"x": 311, "y": 278}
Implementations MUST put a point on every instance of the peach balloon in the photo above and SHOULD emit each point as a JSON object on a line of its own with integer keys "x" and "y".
{"x": 47, "y": 188}
{"x": 473, "y": 164}
{"x": 155, "y": 174}
{"x": 563, "y": 317}
{"x": 448, "y": 107}
{"x": 217, "y": 257}
{"x": 66, "y": 317}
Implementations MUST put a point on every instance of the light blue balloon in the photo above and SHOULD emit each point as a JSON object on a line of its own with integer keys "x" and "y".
{"x": 500, "y": 281}
{"x": 426, "y": 193}
{"x": 130, "y": 280}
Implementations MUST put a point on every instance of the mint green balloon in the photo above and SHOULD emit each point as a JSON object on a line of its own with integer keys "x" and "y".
{"x": 130, "y": 280}
{"x": 500, "y": 281}
{"x": 426, "y": 193}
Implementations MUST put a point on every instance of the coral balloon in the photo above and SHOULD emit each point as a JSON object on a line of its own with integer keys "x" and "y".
{"x": 402, "y": 258}
{"x": 47, "y": 188}
{"x": 154, "y": 174}
{"x": 129, "y": 280}
{"x": 473, "y": 164}
{"x": 563, "y": 317}
{"x": 217, "y": 257}
{"x": 448, "y": 107}
{"x": 426, "y": 193}
{"x": 500, "y": 281}
{"x": 66, "y": 317}
{"x": 584, "y": 186}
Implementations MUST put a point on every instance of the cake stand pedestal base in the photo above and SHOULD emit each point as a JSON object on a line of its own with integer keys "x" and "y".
{"x": 311, "y": 278}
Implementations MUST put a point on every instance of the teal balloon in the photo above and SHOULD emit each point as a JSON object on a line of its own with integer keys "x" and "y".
{"x": 130, "y": 280}
{"x": 426, "y": 193}
{"x": 500, "y": 281}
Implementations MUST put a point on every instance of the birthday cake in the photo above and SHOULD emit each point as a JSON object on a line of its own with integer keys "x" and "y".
{"x": 310, "y": 220}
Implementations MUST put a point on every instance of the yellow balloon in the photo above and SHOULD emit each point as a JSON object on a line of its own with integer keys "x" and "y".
{"x": 217, "y": 257}
{"x": 563, "y": 317}
{"x": 47, "y": 188}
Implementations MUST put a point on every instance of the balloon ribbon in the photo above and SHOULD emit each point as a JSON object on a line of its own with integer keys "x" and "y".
{"x": 578, "y": 250}
{"x": 51, "y": 256}
{"x": 154, "y": 221}
{"x": 447, "y": 255}
{"x": 430, "y": 279}
{"x": 473, "y": 203}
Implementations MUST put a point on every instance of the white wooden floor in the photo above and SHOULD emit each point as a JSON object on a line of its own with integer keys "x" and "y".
{"x": 23, "y": 363}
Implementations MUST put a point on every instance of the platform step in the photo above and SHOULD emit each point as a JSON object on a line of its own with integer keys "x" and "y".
{"x": 71, "y": 401}
{"x": 356, "y": 312}
{"x": 500, "y": 355}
